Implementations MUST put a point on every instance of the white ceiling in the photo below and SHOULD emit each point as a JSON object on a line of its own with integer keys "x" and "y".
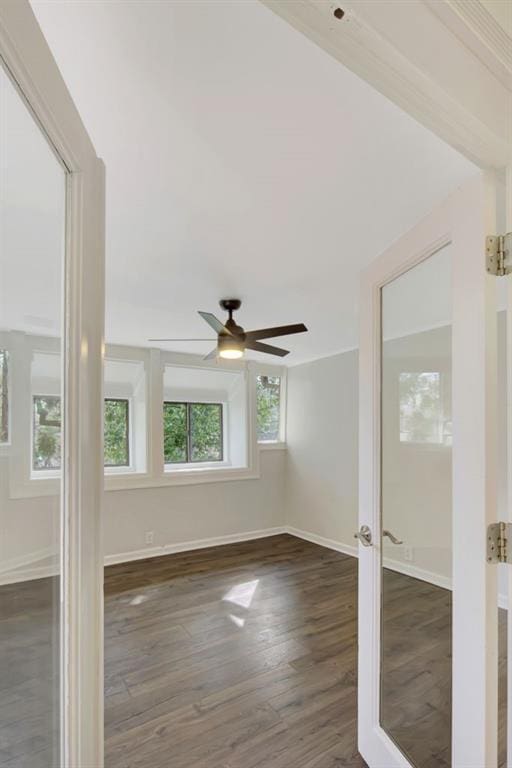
{"x": 32, "y": 221}
{"x": 241, "y": 161}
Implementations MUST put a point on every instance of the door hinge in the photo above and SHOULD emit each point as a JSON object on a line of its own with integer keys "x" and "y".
{"x": 498, "y": 254}
{"x": 498, "y": 535}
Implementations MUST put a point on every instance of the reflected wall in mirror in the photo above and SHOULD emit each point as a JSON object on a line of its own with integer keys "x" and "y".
{"x": 32, "y": 236}
{"x": 416, "y": 511}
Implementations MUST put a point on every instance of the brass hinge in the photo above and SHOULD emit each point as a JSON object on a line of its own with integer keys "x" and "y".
{"x": 498, "y": 254}
{"x": 498, "y": 550}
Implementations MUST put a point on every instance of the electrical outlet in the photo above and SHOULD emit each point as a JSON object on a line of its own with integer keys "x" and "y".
{"x": 408, "y": 553}
{"x": 150, "y": 537}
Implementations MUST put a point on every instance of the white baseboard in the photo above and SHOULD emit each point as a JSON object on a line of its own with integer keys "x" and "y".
{"x": 28, "y": 558}
{"x": 28, "y": 574}
{"x": 347, "y": 549}
{"x": 418, "y": 573}
{"x": 186, "y": 546}
{"x": 394, "y": 565}
{"x": 22, "y": 569}
{"x": 25, "y": 568}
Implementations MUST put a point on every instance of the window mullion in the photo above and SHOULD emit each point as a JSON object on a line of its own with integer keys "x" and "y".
{"x": 189, "y": 434}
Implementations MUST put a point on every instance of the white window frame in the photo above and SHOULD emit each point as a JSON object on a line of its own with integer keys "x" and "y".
{"x": 122, "y": 469}
{"x": 159, "y": 474}
{"x": 6, "y": 347}
{"x": 41, "y": 474}
{"x": 199, "y": 465}
{"x": 26, "y": 482}
{"x": 263, "y": 369}
{"x": 132, "y": 473}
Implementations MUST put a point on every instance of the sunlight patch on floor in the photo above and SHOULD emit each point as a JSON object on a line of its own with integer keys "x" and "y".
{"x": 237, "y": 620}
{"x": 242, "y": 594}
{"x": 138, "y": 599}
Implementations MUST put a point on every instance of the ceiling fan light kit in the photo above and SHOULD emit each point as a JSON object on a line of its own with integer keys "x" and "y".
{"x": 230, "y": 347}
{"x": 232, "y": 340}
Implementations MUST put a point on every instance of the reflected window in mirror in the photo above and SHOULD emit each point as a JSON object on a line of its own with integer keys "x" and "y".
{"x": 424, "y": 417}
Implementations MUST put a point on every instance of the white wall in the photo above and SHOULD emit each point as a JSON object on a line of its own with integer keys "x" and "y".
{"x": 177, "y": 515}
{"x": 322, "y": 440}
{"x": 174, "y": 515}
{"x": 321, "y": 484}
{"x": 311, "y": 487}
{"x": 193, "y": 512}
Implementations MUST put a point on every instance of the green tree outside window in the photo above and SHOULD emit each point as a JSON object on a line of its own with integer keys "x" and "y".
{"x": 268, "y": 404}
{"x": 4, "y": 396}
{"x": 193, "y": 432}
{"x": 116, "y": 433}
{"x": 46, "y": 446}
{"x": 46, "y": 442}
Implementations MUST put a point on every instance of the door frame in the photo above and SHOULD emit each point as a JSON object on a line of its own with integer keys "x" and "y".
{"x": 474, "y": 491}
{"x": 27, "y": 58}
{"x": 432, "y": 58}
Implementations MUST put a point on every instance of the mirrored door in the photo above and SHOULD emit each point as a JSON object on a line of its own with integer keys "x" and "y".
{"x": 416, "y": 511}
{"x": 51, "y": 476}
{"x": 32, "y": 250}
{"x": 428, "y": 613}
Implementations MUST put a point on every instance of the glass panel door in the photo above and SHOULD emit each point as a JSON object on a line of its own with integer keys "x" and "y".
{"x": 416, "y": 508}
{"x": 32, "y": 243}
{"x": 427, "y": 493}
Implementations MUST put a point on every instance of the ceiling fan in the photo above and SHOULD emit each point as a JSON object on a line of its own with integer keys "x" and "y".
{"x": 232, "y": 340}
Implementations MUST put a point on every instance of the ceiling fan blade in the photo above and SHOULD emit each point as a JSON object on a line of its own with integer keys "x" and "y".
{"x": 211, "y": 354}
{"x": 267, "y": 348}
{"x": 181, "y": 339}
{"x": 280, "y": 330}
{"x": 215, "y": 323}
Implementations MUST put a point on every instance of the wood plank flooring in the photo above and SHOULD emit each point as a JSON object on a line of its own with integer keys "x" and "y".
{"x": 242, "y": 656}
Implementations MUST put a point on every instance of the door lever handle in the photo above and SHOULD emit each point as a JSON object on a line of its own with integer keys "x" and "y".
{"x": 364, "y": 535}
{"x": 391, "y": 537}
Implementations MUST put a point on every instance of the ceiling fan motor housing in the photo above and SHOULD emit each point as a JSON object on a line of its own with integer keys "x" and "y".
{"x": 232, "y": 328}
{"x": 230, "y": 305}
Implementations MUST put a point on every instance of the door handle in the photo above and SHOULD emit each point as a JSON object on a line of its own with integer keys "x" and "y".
{"x": 364, "y": 535}
{"x": 391, "y": 537}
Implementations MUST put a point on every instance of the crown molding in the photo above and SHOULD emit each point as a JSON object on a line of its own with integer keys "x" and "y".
{"x": 416, "y": 59}
{"x": 476, "y": 28}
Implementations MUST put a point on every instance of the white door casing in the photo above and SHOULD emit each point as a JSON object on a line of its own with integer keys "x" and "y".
{"x": 28, "y": 60}
{"x": 508, "y": 228}
{"x": 463, "y": 221}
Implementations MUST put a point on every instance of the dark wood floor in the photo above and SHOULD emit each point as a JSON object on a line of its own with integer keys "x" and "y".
{"x": 241, "y": 656}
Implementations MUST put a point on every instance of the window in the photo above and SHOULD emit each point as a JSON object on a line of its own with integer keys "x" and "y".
{"x": 117, "y": 432}
{"x": 422, "y": 418}
{"x": 4, "y": 396}
{"x": 193, "y": 432}
{"x": 46, "y": 438}
{"x": 46, "y": 434}
{"x": 125, "y": 422}
{"x": 268, "y": 403}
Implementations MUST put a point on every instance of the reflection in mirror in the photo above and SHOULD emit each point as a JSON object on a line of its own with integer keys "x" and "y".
{"x": 416, "y": 510}
{"x": 32, "y": 225}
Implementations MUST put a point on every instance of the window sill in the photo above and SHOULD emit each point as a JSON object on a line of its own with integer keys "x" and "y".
{"x": 181, "y": 477}
{"x": 272, "y": 445}
{"x": 122, "y": 472}
{"x": 38, "y": 475}
{"x": 198, "y": 466}
{"x": 51, "y": 486}
{"x": 406, "y": 445}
